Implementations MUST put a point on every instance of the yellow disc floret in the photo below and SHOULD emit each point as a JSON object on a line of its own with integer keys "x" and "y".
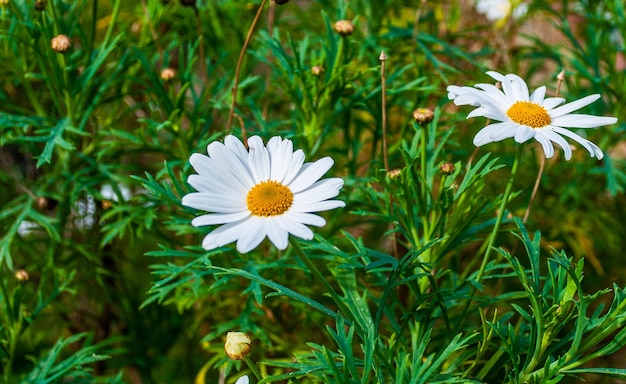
{"x": 269, "y": 198}
{"x": 529, "y": 114}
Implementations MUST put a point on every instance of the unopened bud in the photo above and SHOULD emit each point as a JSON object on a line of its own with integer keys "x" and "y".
{"x": 317, "y": 70}
{"x": 168, "y": 74}
{"x": 447, "y": 168}
{"x": 237, "y": 345}
{"x": 61, "y": 43}
{"x": 21, "y": 275}
{"x": 394, "y": 174}
{"x": 561, "y": 75}
{"x": 344, "y": 27}
{"x": 40, "y": 5}
{"x": 423, "y": 116}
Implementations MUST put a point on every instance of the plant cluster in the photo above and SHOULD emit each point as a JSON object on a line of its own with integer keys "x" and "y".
{"x": 312, "y": 191}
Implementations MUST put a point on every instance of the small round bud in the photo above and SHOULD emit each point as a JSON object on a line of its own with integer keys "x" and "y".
{"x": 168, "y": 74}
{"x": 317, "y": 70}
{"x": 237, "y": 345}
{"x": 394, "y": 174}
{"x": 447, "y": 168}
{"x": 21, "y": 275}
{"x": 61, "y": 43}
{"x": 344, "y": 27}
{"x": 40, "y": 5}
{"x": 281, "y": 2}
{"x": 42, "y": 202}
{"x": 423, "y": 116}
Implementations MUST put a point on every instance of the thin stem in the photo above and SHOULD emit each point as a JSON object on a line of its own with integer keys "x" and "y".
{"x": 253, "y": 368}
{"x": 542, "y": 166}
{"x": 505, "y": 199}
{"x": 383, "y": 85}
{"x": 242, "y": 53}
{"x": 318, "y": 275}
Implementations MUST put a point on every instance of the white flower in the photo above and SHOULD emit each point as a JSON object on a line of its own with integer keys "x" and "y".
{"x": 524, "y": 116}
{"x": 265, "y": 192}
{"x": 243, "y": 380}
{"x": 496, "y": 10}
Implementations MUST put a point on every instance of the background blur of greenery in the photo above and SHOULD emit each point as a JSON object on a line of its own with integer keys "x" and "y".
{"x": 78, "y": 130}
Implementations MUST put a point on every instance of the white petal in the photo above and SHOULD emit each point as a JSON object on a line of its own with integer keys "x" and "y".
{"x": 277, "y": 233}
{"x": 217, "y": 182}
{"x": 317, "y": 206}
{"x": 548, "y": 149}
{"x": 258, "y": 160}
{"x": 236, "y": 146}
{"x": 524, "y": 133}
{"x": 538, "y": 95}
{"x": 519, "y": 87}
{"x": 252, "y": 234}
{"x": 560, "y": 141}
{"x": 225, "y": 234}
{"x": 321, "y": 190}
{"x": 552, "y": 102}
{"x": 295, "y": 166}
{"x": 305, "y": 218}
{"x": 214, "y": 202}
{"x": 593, "y": 149}
{"x": 310, "y": 174}
{"x": 298, "y": 229}
{"x": 230, "y": 161}
{"x": 281, "y": 154}
{"x": 484, "y": 135}
{"x": 243, "y": 380}
{"x": 574, "y": 120}
{"x": 504, "y": 130}
{"x": 573, "y": 106}
{"x": 219, "y": 218}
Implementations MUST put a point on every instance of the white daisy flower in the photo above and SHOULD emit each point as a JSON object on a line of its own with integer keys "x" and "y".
{"x": 496, "y": 10}
{"x": 524, "y": 116}
{"x": 265, "y": 192}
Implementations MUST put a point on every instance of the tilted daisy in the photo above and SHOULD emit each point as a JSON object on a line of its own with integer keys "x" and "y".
{"x": 524, "y": 116}
{"x": 264, "y": 192}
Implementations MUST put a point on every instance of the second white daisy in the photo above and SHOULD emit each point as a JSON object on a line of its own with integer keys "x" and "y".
{"x": 264, "y": 192}
{"x": 524, "y": 116}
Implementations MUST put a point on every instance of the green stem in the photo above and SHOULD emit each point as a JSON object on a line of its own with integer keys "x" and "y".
{"x": 253, "y": 368}
{"x": 505, "y": 199}
{"x": 318, "y": 275}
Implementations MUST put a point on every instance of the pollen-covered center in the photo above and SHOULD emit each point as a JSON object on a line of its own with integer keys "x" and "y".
{"x": 530, "y": 114}
{"x": 269, "y": 198}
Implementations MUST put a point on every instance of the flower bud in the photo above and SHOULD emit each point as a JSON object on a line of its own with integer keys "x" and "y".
{"x": 447, "y": 168}
{"x": 61, "y": 43}
{"x": 317, "y": 70}
{"x": 21, "y": 275}
{"x": 423, "y": 116}
{"x": 394, "y": 174}
{"x": 344, "y": 27}
{"x": 168, "y": 74}
{"x": 237, "y": 345}
{"x": 40, "y": 5}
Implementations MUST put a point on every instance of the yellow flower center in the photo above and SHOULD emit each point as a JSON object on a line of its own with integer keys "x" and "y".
{"x": 530, "y": 114}
{"x": 269, "y": 198}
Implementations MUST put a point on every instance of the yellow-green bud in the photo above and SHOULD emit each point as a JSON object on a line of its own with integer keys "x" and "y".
{"x": 344, "y": 27}
{"x": 423, "y": 116}
{"x": 61, "y": 43}
{"x": 237, "y": 345}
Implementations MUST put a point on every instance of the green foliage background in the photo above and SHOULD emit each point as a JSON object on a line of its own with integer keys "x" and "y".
{"x": 119, "y": 289}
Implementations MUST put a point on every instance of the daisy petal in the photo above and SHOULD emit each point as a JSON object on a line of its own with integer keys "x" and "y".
{"x": 560, "y": 141}
{"x": 574, "y": 120}
{"x": 573, "y": 106}
{"x": 524, "y": 133}
{"x": 311, "y": 174}
{"x": 219, "y": 218}
{"x": 548, "y": 148}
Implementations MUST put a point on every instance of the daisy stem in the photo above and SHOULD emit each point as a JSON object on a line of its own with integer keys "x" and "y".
{"x": 505, "y": 199}
{"x": 253, "y": 368}
{"x": 318, "y": 275}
